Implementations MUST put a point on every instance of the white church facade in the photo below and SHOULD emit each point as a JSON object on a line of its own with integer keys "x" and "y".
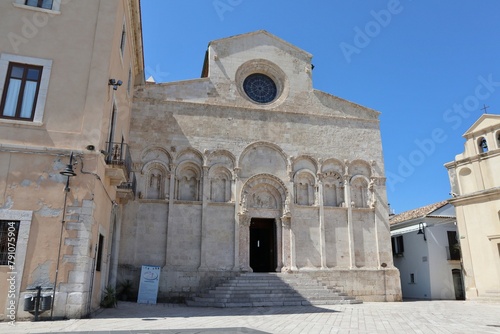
{"x": 250, "y": 169}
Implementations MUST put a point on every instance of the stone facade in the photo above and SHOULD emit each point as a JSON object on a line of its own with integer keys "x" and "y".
{"x": 475, "y": 187}
{"x": 238, "y": 173}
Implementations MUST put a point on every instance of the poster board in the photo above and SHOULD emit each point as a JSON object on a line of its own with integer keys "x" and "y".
{"x": 148, "y": 285}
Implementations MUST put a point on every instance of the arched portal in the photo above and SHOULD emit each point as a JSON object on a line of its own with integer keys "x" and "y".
{"x": 264, "y": 199}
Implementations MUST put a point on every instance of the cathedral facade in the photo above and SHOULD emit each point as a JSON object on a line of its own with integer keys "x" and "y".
{"x": 250, "y": 169}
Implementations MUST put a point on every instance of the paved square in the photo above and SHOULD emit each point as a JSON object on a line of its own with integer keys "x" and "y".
{"x": 407, "y": 317}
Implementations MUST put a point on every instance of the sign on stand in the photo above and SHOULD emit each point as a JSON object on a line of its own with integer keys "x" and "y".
{"x": 148, "y": 286}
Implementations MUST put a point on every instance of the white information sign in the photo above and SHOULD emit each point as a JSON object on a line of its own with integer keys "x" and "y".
{"x": 148, "y": 286}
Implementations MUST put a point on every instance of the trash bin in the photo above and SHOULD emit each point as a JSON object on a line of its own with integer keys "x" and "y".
{"x": 29, "y": 303}
{"x": 45, "y": 301}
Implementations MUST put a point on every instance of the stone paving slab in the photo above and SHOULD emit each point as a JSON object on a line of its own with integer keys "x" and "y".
{"x": 408, "y": 317}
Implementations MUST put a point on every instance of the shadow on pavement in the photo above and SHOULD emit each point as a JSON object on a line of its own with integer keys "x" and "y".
{"x": 161, "y": 311}
{"x": 236, "y": 330}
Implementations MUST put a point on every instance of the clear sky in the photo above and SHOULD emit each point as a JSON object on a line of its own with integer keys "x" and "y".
{"x": 428, "y": 66}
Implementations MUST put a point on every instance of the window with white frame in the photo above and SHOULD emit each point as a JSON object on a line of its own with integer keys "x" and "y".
{"x": 46, "y": 4}
{"x": 20, "y": 91}
{"x": 123, "y": 40}
{"x": 52, "y": 6}
{"x": 24, "y": 83}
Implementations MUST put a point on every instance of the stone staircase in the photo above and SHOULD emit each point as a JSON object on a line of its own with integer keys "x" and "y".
{"x": 271, "y": 289}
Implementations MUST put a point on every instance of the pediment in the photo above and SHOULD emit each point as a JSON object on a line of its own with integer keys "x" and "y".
{"x": 245, "y": 42}
{"x": 484, "y": 124}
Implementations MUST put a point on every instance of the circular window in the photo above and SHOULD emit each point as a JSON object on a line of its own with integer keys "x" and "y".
{"x": 260, "y": 88}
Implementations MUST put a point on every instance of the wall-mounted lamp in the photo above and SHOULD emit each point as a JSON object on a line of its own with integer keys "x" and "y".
{"x": 421, "y": 230}
{"x": 69, "y": 172}
{"x": 115, "y": 83}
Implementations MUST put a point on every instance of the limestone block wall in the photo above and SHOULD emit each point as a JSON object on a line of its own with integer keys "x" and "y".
{"x": 218, "y": 247}
{"x": 211, "y": 160}
{"x": 368, "y": 285}
{"x": 307, "y": 237}
{"x": 336, "y": 238}
{"x": 365, "y": 244}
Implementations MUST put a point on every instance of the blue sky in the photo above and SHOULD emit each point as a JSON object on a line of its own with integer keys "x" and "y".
{"x": 427, "y": 66}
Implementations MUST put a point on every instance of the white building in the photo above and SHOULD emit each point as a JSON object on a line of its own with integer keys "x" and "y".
{"x": 426, "y": 252}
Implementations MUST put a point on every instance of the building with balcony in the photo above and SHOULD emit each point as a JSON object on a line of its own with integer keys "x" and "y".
{"x": 67, "y": 74}
{"x": 475, "y": 187}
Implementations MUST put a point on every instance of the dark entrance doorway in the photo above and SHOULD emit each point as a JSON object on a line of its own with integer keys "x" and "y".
{"x": 458, "y": 284}
{"x": 262, "y": 245}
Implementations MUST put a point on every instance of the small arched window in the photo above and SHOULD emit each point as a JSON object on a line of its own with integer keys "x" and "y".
{"x": 498, "y": 139}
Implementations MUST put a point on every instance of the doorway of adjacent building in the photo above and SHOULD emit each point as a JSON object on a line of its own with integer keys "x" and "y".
{"x": 263, "y": 245}
{"x": 458, "y": 284}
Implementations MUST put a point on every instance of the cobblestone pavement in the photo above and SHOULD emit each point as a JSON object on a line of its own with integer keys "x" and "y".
{"x": 407, "y": 317}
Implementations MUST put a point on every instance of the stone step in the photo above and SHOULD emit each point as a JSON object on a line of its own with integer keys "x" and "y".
{"x": 269, "y": 303}
{"x": 271, "y": 289}
{"x": 267, "y": 298}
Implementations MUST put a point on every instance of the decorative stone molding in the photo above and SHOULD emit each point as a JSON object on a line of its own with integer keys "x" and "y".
{"x": 244, "y": 220}
{"x": 286, "y": 221}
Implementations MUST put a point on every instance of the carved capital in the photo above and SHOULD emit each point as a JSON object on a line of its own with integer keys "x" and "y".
{"x": 244, "y": 220}
{"x": 286, "y": 221}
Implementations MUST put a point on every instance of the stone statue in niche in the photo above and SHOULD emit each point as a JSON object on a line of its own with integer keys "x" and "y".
{"x": 218, "y": 193}
{"x": 287, "y": 205}
{"x": 188, "y": 189}
{"x": 243, "y": 203}
{"x": 154, "y": 186}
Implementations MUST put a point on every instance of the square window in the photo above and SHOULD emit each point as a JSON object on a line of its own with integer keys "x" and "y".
{"x": 453, "y": 246}
{"x": 9, "y": 231}
{"x": 412, "y": 278}
{"x": 24, "y": 83}
{"x": 397, "y": 245}
{"x": 20, "y": 91}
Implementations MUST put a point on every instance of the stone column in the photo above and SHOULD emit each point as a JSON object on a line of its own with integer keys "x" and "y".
{"x": 322, "y": 242}
{"x": 373, "y": 204}
{"x": 350, "y": 227}
{"x": 279, "y": 244}
{"x": 285, "y": 243}
{"x": 288, "y": 247}
{"x": 171, "y": 198}
{"x": 205, "y": 195}
{"x": 236, "y": 191}
{"x": 244, "y": 242}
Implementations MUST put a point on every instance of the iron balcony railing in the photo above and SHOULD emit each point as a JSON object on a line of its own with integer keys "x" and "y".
{"x": 119, "y": 154}
{"x": 130, "y": 185}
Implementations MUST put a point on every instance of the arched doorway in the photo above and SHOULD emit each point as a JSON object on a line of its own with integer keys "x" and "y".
{"x": 458, "y": 284}
{"x": 263, "y": 202}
